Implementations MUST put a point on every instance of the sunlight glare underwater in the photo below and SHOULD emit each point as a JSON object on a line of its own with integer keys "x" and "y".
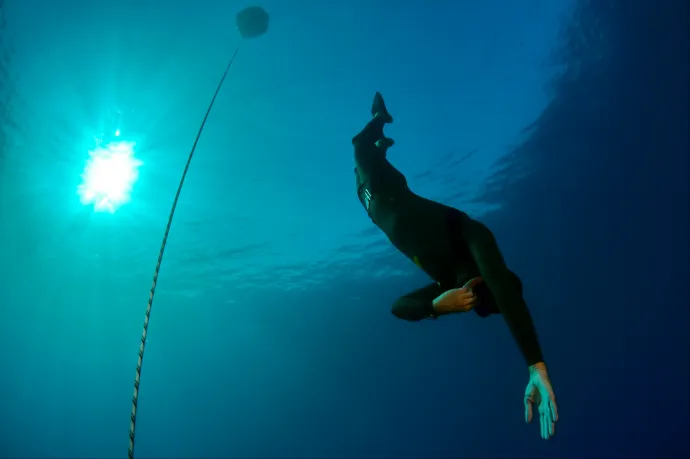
{"x": 109, "y": 175}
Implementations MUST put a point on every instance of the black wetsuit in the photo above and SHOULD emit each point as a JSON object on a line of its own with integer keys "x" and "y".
{"x": 445, "y": 243}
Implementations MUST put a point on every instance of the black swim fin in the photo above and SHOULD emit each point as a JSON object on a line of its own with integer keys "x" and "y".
{"x": 378, "y": 108}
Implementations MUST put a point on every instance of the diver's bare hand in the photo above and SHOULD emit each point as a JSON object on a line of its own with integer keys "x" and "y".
{"x": 539, "y": 393}
{"x": 457, "y": 299}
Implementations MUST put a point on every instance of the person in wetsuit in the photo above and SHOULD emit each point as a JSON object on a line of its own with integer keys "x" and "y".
{"x": 459, "y": 253}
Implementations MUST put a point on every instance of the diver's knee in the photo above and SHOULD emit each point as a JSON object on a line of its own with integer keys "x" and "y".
{"x": 401, "y": 312}
{"x": 396, "y": 309}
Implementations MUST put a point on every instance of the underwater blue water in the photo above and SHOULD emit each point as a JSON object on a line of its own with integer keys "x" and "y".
{"x": 561, "y": 124}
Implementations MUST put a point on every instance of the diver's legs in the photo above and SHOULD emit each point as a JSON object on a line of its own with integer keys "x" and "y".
{"x": 373, "y": 131}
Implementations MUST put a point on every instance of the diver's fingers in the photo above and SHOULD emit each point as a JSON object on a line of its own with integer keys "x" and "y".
{"x": 464, "y": 307}
{"x": 528, "y": 405}
{"x": 553, "y": 408}
{"x": 541, "y": 425}
{"x": 528, "y": 412}
{"x": 466, "y": 298}
{"x": 549, "y": 426}
{"x": 544, "y": 424}
{"x": 472, "y": 282}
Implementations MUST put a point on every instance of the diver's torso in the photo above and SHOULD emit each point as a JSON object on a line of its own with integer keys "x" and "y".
{"x": 419, "y": 228}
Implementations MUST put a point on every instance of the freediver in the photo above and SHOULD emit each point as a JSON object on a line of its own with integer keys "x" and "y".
{"x": 459, "y": 253}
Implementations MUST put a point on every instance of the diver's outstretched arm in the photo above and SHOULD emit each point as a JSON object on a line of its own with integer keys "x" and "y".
{"x": 504, "y": 286}
{"x": 506, "y": 290}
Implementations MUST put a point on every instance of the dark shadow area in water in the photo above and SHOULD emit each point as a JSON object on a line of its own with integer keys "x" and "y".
{"x": 603, "y": 216}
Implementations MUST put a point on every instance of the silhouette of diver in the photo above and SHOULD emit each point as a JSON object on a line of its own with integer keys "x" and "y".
{"x": 459, "y": 253}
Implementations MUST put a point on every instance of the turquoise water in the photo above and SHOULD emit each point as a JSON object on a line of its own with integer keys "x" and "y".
{"x": 563, "y": 126}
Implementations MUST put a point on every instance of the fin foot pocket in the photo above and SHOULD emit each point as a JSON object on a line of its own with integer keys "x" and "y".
{"x": 378, "y": 108}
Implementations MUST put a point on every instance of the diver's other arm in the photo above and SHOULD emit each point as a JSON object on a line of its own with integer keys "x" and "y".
{"x": 507, "y": 291}
{"x": 432, "y": 301}
{"x": 505, "y": 287}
